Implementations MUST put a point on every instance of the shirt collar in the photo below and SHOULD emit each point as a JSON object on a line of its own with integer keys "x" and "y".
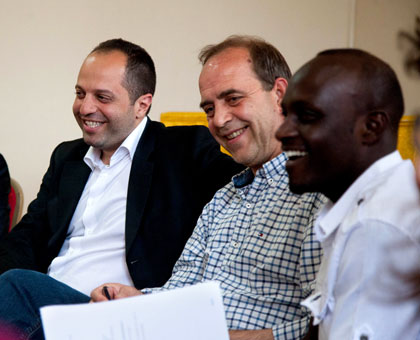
{"x": 129, "y": 145}
{"x": 332, "y": 214}
{"x": 271, "y": 169}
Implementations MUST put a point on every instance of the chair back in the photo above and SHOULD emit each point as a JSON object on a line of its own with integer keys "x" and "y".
{"x": 15, "y": 203}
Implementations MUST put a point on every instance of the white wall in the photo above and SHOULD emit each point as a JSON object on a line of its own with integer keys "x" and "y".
{"x": 43, "y": 44}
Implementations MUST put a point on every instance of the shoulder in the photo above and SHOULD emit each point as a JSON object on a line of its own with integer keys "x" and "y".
{"x": 222, "y": 199}
{"x": 394, "y": 199}
{"x": 176, "y": 136}
{"x": 72, "y": 150}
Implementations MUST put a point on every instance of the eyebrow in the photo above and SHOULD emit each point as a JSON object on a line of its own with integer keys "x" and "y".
{"x": 78, "y": 87}
{"x": 221, "y": 96}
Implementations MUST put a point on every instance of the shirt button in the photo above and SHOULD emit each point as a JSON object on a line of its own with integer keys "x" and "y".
{"x": 248, "y": 205}
{"x": 270, "y": 181}
{"x": 235, "y": 244}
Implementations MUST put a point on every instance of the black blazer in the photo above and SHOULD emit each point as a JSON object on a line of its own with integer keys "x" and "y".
{"x": 175, "y": 172}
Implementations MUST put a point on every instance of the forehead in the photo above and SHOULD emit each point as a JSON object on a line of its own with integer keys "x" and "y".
{"x": 231, "y": 68}
{"x": 325, "y": 84}
{"x": 103, "y": 68}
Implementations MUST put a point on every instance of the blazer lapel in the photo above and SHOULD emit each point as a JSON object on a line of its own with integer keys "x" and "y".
{"x": 140, "y": 181}
{"x": 74, "y": 178}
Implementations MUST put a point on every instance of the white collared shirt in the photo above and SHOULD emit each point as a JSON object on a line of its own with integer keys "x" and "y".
{"x": 370, "y": 239}
{"x": 94, "y": 250}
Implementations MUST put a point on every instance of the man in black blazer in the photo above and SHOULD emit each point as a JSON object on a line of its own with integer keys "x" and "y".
{"x": 174, "y": 172}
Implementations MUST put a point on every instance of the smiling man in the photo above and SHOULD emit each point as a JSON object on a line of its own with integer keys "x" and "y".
{"x": 342, "y": 113}
{"x": 117, "y": 205}
{"x": 255, "y": 236}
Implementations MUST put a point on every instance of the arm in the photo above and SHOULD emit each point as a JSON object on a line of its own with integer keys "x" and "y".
{"x": 17, "y": 250}
{"x": 37, "y": 238}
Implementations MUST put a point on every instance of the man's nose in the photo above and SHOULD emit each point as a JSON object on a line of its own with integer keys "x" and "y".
{"x": 87, "y": 106}
{"x": 222, "y": 116}
{"x": 286, "y": 130}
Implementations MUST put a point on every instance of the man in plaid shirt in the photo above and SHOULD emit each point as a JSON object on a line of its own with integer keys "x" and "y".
{"x": 255, "y": 236}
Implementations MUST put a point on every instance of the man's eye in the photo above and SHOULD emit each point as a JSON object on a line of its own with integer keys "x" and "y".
{"x": 308, "y": 116}
{"x": 80, "y": 94}
{"x": 209, "y": 110}
{"x": 103, "y": 99}
{"x": 233, "y": 100}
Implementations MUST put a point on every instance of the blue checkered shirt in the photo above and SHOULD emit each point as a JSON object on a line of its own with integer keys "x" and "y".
{"x": 255, "y": 238}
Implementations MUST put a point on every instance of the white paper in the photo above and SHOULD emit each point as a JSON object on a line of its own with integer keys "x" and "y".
{"x": 190, "y": 313}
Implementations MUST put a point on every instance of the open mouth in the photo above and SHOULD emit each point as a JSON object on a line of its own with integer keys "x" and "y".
{"x": 92, "y": 124}
{"x": 294, "y": 154}
{"x": 235, "y": 134}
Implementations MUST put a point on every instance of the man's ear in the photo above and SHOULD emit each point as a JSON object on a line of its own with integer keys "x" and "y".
{"x": 374, "y": 125}
{"x": 142, "y": 105}
{"x": 279, "y": 88}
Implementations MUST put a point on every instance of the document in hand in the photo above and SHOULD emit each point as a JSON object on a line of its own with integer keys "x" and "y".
{"x": 190, "y": 313}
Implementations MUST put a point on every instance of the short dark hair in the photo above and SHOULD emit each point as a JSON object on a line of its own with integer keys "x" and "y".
{"x": 140, "y": 74}
{"x": 377, "y": 77}
{"x": 267, "y": 62}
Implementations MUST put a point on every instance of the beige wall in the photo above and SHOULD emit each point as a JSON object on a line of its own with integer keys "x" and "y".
{"x": 377, "y": 23}
{"x": 44, "y": 42}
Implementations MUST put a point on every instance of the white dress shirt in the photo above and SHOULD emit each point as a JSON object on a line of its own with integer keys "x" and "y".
{"x": 94, "y": 250}
{"x": 370, "y": 239}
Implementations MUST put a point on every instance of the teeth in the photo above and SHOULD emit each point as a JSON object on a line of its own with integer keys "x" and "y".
{"x": 92, "y": 124}
{"x": 293, "y": 153}
{"x": 235, "y": 134}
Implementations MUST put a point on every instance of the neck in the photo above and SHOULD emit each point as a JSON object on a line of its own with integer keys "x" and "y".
{"x": 106, "y": 156}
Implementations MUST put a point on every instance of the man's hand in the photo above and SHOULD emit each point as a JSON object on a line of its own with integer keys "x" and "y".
{"x": 115, "y": 291}
{"x": 260, "y": 334}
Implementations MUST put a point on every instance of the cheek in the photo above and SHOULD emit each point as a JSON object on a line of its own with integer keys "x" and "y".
{"x": 211, "y": 126}
{"x": 76, "y": 106}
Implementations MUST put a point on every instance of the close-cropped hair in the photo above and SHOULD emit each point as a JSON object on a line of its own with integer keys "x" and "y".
{"x": 377, "y": 77}
{"x": 267, "y": 62}
{"x": 140, "y": 74}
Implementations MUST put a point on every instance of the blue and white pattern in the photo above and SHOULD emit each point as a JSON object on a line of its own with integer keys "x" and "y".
{"x": 255, "y": 237}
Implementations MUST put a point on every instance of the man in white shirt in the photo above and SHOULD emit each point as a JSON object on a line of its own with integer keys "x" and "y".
{"x": 119, "y": 204}
{"x": 340, "y": 133}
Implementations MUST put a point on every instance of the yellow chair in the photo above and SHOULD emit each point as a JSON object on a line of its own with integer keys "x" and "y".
{"x": 183, "y": 118}
{"x": 405, "y": 137}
